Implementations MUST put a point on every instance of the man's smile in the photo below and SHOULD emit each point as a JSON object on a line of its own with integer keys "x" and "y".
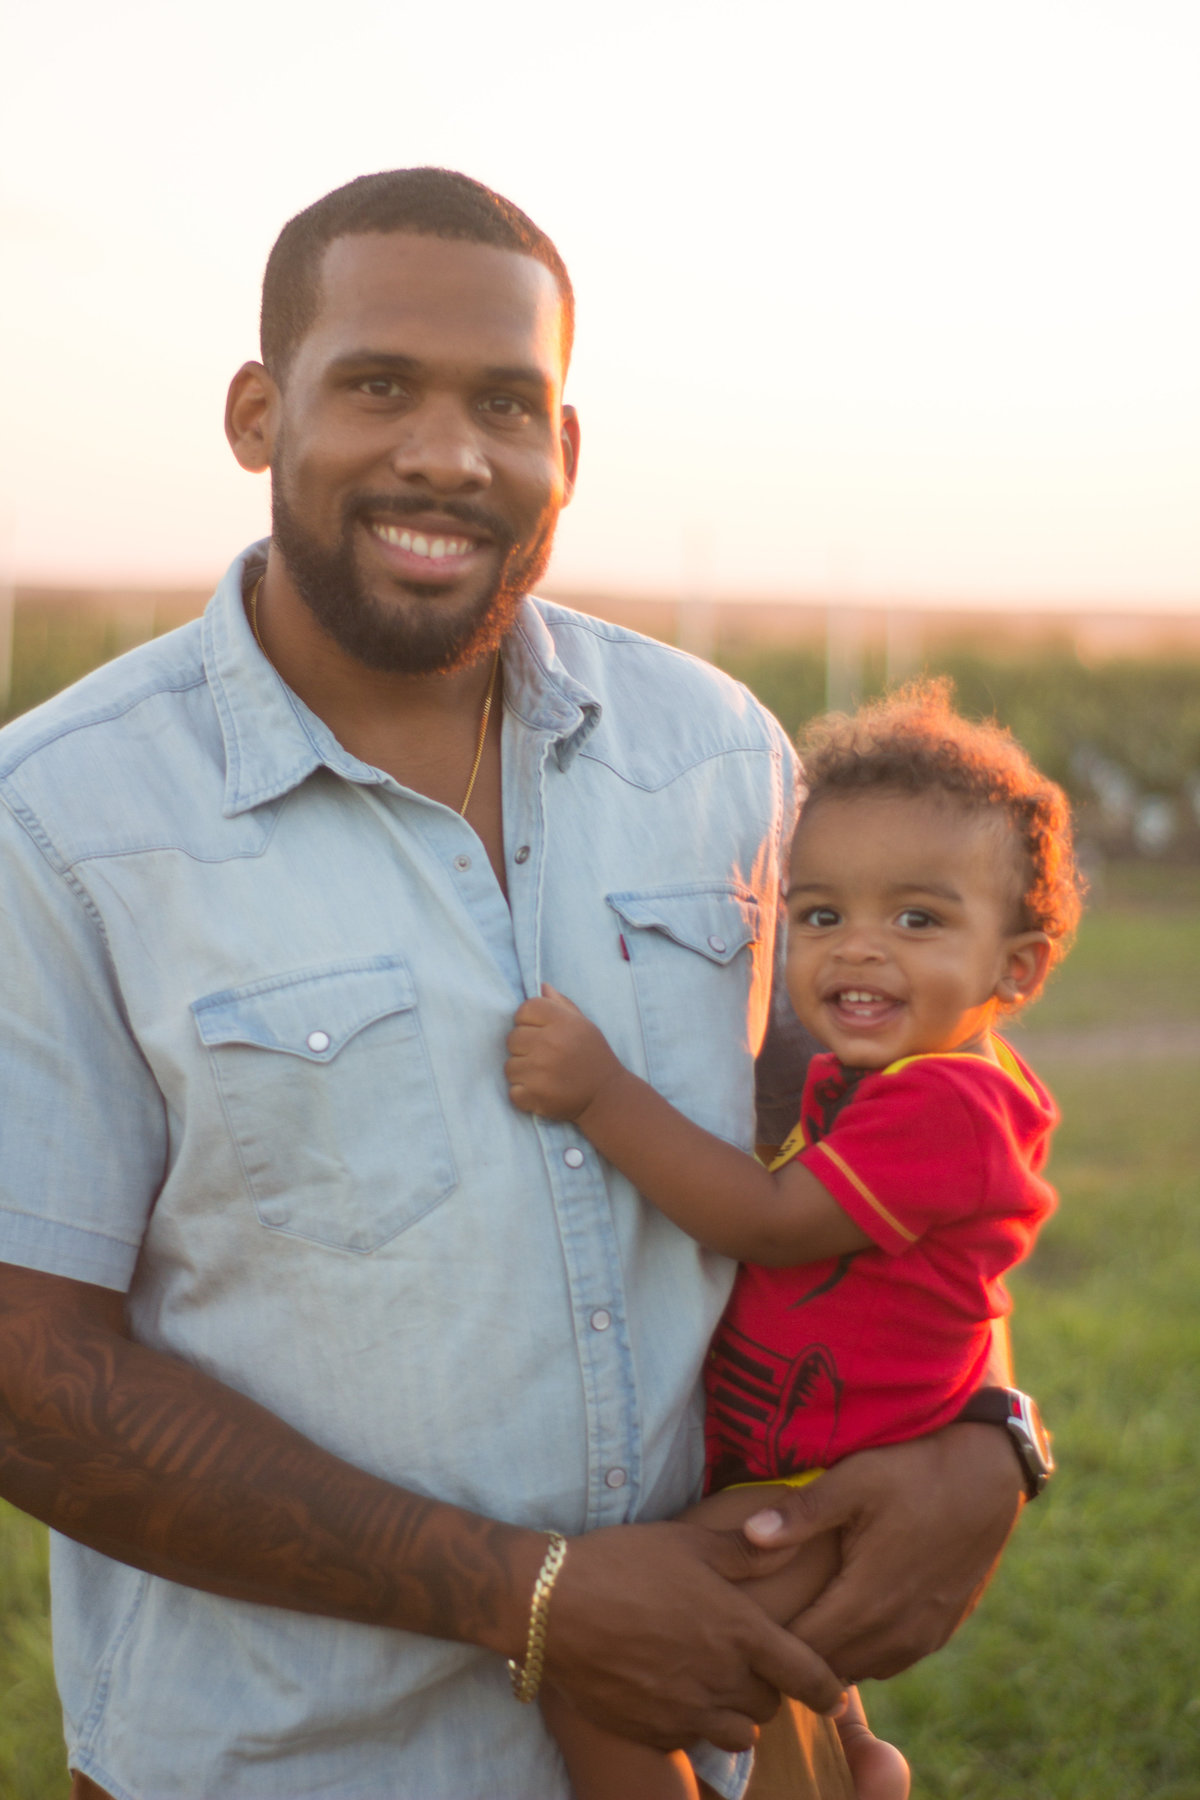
{"x": 427, "y": 550}
{"x": 436, "y": 548}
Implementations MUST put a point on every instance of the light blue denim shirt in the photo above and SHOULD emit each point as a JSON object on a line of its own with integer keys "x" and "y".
{"x": 252, "y": 1027}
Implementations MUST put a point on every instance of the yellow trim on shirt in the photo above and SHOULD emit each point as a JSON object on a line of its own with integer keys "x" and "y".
{"x": 1011, "y": 1065}
{"x": 805, "y": 1478}
{"x": 792, "y": 1145}
{"x": 861, "y": 1187}
{"x": 1006, "y": 1056}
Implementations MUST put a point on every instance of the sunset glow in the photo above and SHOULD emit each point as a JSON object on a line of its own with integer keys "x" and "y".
{"x": 873, "y": 300}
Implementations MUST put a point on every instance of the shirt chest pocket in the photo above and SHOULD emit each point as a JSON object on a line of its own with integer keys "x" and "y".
{"x": 691, "y": 952}
{"x": 330, "y": 1098}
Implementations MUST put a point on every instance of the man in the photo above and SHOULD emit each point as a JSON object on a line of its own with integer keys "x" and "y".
{"x": 307, "y": 1337}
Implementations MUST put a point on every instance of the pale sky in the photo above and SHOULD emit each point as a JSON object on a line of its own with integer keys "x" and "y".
{"x": 876, "y": 297}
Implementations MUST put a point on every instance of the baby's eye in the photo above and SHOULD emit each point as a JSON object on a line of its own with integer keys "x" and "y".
{"x": 915, "y": 918}
{"x": 822, "y": 917}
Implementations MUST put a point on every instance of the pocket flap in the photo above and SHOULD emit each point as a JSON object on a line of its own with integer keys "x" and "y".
{"x": 312, "y": 1013}
{"x": 718, "y": 922}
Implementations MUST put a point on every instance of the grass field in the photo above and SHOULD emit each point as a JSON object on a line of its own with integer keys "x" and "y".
{"x": 1079, "y": 1677}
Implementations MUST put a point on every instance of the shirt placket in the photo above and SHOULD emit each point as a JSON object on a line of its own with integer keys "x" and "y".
{"x": 576, "y": 1172}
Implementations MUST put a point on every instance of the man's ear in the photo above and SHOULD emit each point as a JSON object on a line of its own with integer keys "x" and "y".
{"x": 570, "y": 449}
{"x": 252, "y": 417}
{"x": 1026, "y": 964}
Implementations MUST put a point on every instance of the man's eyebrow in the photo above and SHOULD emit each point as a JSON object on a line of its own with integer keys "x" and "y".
{"x": 517, "y": 373}
{"x": 352, "y": 360}
{"x": 393, "y": 362}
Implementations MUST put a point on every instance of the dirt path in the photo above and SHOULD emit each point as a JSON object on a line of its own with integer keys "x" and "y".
{"x": 1112, "y": 1043}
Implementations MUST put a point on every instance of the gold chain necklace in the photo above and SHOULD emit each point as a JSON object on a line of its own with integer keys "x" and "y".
{"x": 483, "y": 718}
{"x": 483, "y": 725}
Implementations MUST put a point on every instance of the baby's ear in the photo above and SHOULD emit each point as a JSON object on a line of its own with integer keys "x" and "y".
{"x": 1027, "y": 962}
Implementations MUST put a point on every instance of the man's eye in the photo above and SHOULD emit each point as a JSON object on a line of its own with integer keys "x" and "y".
{"x": 820, "y": 916}
{"x": 506, "y": 406}
{"x": 915, "y": 918}
{"x": 380, "y": 387}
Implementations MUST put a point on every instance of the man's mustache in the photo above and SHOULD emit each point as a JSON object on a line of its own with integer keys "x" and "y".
{"x": 411, "y": 506}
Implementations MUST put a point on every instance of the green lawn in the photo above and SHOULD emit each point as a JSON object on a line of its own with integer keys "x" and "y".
{"x": 32, "y": 1760}
{"x": 1137, "y": 959}
{"x": 1079, "y": 1677}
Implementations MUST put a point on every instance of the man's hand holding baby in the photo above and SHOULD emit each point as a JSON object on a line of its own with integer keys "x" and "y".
{"x": 558, "y": 1061}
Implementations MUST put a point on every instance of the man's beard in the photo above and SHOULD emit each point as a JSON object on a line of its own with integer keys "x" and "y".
{"x": 430, "y": 639}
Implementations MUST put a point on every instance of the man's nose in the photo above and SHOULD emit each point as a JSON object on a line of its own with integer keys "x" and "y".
{"x": 440, "y": 447}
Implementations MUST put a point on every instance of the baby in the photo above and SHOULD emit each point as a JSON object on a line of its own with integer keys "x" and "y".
{"x": 932, "y": 887}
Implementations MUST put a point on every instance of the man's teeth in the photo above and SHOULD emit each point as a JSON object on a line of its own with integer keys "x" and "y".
{"x": 859, "y": 997}
{"x": 420, "y": 545}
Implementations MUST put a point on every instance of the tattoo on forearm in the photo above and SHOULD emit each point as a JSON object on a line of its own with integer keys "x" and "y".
{"x": 155, "y": 1464}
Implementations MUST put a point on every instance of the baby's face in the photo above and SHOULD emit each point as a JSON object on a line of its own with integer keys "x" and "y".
{"x": 900, "y": 926}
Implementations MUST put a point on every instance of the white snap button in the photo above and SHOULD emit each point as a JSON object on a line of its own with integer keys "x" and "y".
{"x": 573, "y": 1157}
{"x": 616, "y": 1478}
{"x": 318, "y": 1041}
{"x": 462, "y": 862}
{"x": 601, "y": 1320}
{"x": 717, "y": 944}
{"x": 522, "y": 854}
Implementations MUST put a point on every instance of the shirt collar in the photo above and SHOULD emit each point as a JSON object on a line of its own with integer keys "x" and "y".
{"x": 273, "y": 741}
{"x": 541, "y": 690}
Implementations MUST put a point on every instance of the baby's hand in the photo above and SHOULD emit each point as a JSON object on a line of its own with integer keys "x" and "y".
{"x": 557, "y": 1059}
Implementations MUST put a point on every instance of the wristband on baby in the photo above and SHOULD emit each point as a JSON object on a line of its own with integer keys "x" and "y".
{"x": 527, "y": 1676}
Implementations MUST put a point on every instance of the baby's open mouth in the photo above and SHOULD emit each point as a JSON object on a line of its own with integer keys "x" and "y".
{"x": 862, "y": 1006}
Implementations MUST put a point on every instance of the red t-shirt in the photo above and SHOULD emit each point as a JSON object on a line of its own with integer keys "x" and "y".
{"x": 937, "y": 1159}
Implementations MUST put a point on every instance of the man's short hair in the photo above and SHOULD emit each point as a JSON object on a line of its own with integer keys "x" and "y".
{"x": 427, "y": 202}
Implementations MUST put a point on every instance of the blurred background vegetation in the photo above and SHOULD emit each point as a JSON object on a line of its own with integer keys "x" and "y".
{"x": 1122, "y": 736}
{"x": 1121, "y": 733}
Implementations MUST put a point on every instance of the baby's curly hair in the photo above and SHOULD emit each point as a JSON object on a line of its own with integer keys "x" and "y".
{"x": 913, "y": 742}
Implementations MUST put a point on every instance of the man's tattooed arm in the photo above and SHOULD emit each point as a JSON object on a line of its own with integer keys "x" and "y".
{"x": 155, "y": 1464}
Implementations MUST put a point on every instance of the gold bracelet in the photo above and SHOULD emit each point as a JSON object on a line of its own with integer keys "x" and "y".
{"x": 527, "y": 1678}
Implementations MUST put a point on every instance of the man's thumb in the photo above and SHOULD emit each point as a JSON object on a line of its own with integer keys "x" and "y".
{"x": 791, "y": 1518}
{"x": 733, "y": 1555}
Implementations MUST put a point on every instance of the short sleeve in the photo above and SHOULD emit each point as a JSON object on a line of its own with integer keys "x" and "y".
{"x": 904, "y": 1155}
{"x": 82, "y": 1121}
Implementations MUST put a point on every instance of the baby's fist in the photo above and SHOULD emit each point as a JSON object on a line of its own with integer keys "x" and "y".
{"x": 557, "y": 1059}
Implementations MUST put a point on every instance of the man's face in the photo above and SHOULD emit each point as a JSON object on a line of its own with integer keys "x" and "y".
{"x": 422, "y": 454}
